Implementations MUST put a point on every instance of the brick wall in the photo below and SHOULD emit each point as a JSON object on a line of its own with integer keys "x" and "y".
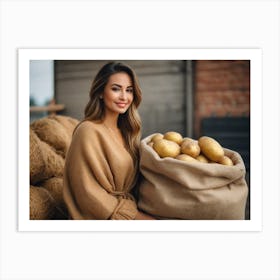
{"x": 222, "y": 88}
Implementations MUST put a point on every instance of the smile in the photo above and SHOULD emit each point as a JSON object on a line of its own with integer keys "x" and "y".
{"x": 121, "y": 104}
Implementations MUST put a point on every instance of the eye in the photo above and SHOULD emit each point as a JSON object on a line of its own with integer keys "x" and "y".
{"x": 115, "y": 88}
{"x": 130, "y": 90}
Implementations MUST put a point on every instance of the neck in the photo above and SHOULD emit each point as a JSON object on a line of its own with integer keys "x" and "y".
{"x": 111, "y": 120}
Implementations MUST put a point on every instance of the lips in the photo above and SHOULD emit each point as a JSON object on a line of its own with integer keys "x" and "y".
{"x": 121, "y": 104}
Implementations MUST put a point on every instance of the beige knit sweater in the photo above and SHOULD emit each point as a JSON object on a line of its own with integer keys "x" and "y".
{"x": 99, "y": 173}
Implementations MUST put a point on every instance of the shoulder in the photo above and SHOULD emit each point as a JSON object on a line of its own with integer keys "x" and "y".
{"x": 88, "y": 134}
{"x": 88, "y": 128}
{"x": 89, "y": 131}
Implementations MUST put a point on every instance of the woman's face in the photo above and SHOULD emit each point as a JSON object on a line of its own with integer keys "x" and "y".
{"x": 118, "y": 93}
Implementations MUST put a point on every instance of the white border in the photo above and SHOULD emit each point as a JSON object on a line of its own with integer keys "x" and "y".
{"x": 254, "y": 55}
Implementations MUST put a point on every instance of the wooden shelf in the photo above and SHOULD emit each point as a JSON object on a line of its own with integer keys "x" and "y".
{"x": 52, "y": 108}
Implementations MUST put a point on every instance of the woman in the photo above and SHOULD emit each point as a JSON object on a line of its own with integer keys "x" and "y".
{"x": 101, "y": 166}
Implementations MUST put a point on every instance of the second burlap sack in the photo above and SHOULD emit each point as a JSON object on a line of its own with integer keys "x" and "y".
{"x": 174, "y": 189}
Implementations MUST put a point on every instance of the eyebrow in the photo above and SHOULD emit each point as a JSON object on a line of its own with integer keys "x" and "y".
{"x": 120, "y": 85}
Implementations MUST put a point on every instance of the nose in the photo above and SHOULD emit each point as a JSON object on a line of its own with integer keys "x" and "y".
{"x": 123, "y": 95}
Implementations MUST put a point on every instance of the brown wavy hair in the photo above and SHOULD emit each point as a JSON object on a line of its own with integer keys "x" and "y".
{"x": 129, "y": 123}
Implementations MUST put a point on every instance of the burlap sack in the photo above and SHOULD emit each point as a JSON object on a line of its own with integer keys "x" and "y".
{"x": 42, "y": 205}
{"x": 67, "y": 122}
{"x": 36, "y": 159}
{"x": 44, "y": 162}
{"x": 50, "y": 138}
{"x": 173, "y": 189}
{"x": 53, "y": 133}
{"x": 54, "y": 186}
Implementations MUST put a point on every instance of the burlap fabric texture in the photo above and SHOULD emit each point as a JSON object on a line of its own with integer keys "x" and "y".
{"x": 174, "y": 189}
{"x": 50, "y": 138}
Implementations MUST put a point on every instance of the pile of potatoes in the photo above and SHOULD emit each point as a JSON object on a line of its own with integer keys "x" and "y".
{"x": 205, "y": 149}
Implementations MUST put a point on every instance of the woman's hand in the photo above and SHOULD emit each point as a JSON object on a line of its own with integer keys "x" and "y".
{"x": 143, "y": 216}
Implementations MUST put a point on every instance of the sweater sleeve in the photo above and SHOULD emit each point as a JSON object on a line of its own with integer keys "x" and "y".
{"x": 88, "y": 181}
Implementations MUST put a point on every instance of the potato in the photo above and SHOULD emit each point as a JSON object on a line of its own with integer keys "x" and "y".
{"x": 166, "y": 148}
{"x": 190, "y": 148}
{"x": 202, "y": 158}
{"x": 173, "y": 136}
{"x": 225, "y": 161}
{"x": 187, "y": 140}
{"x": 211, "y": 148}
{"x": 156, "y": 137}
{"x": 185, "y": 157}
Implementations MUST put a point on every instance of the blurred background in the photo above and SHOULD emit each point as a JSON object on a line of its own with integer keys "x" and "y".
{"x": 192, "y": 97}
